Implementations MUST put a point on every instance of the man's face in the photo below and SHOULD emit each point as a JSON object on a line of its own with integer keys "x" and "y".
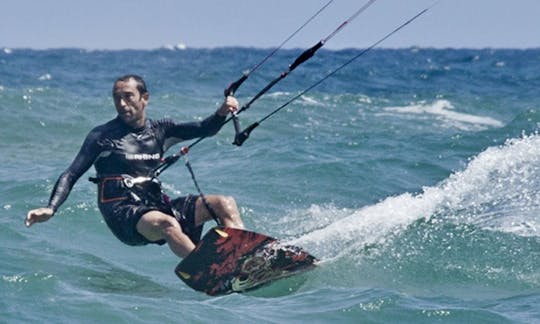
{"x": 129, "y": 103}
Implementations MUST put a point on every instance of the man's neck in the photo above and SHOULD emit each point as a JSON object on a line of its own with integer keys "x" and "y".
{"x": 135, "y": 125}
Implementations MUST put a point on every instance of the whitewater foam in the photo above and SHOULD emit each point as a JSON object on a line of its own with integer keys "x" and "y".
{"x": 444, "y": 110}
{"x": 496, "y": 191}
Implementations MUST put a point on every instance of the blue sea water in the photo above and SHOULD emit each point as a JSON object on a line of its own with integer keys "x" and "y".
{"x": 413, "y": 174}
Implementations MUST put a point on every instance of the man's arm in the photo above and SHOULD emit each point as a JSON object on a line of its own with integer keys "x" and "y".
{"x": 82, "y": 162}
{"x": 208, "y": 127}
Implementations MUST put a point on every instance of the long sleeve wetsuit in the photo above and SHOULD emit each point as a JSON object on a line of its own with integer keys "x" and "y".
{"x": 116, "y": 149}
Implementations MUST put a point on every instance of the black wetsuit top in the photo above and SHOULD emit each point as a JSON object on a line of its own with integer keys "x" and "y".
{"x": 116, "y": 149}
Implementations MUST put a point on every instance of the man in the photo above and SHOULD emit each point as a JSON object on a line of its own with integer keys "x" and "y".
{"x": 124, "y": 152}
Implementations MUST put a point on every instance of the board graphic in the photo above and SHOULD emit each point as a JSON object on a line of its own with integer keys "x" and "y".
{"x": 231, "y": 260}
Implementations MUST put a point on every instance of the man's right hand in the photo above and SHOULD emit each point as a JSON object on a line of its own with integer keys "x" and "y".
{"x": 38, "y": 216}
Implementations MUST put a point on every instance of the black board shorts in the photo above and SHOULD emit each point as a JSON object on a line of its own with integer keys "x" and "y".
{"x": 122, "y": 217}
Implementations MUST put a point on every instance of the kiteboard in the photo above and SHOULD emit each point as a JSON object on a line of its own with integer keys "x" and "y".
{"x": 229, "y": 260}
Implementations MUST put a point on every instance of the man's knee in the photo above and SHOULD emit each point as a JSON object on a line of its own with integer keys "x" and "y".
{"x": 226, "y": 203}
{"x": 224, "y": 206}
{"x": 156, "y": 225}
{"x": 227, "y": 211}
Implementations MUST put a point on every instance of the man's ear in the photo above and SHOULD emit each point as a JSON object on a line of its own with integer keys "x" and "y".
{"x": 145, "y": 97}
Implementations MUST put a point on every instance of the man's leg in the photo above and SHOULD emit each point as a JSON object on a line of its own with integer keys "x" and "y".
{"x": 155, "y": 226}
{"x": 225, "y": 208}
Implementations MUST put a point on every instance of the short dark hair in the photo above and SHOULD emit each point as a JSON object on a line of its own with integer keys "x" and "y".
{"x": 141, "y": 85}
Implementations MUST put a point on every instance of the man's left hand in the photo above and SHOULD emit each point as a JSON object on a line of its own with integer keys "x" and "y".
{"x": 230, "y": 105}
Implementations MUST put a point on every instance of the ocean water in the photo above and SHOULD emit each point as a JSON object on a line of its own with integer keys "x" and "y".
{"x": 413, "y": 174}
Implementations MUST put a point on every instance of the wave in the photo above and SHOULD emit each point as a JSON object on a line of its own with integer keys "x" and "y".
{"x": 443, "y": 110}
{"x": 497, "y": 191}
{"x": 305, "y": 100}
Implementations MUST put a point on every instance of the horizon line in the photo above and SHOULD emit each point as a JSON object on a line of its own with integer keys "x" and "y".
{"x": 183, "y": 47}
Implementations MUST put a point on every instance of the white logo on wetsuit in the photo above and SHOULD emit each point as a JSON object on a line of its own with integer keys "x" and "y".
{"x": 143, "y": 157}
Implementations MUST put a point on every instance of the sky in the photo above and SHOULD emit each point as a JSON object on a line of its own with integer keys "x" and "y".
{"x": 148, "y": 24}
